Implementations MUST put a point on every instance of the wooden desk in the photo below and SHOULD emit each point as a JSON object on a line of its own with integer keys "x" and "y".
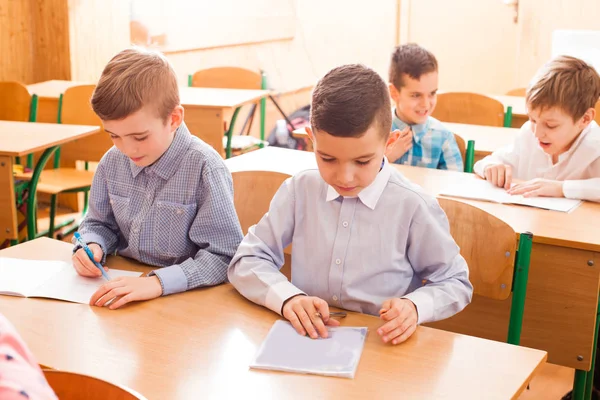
{"x": 199, "y": 345}
{"x": 562, "y": 294}
{"x": 205, "y": 108}
{"x": 487, "y": 138}
{"x": 20, "y": 139}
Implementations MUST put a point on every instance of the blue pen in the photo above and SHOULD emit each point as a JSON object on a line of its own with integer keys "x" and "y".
{"x": 90, "y": 255}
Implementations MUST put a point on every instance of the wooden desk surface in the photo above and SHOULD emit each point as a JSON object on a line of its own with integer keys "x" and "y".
{"x": 575, "y": 229}
{"x": 519, "y": 107}
{"x": 487, "y": 138}
{"x": 52, "y": 89}
{"x": 219, "y": 98}
{"x": 199, "y": 345}
{"x": 190, "y": 96}
{"x": 21, "y": 138}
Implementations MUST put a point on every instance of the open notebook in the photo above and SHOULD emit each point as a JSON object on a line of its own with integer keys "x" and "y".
{"x": 478, "y": 189}
{"x": 285, "y": 350}
{"x": 50, "y": 279}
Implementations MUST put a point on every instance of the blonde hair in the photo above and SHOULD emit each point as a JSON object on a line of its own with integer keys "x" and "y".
{"x": 567, "y": 83}
{"x": 132, "y": 79}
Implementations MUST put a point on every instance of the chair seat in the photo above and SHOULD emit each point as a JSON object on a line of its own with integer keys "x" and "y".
{"x": 54, "y": 181}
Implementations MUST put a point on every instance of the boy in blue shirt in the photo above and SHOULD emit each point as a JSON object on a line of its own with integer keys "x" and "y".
{"x": 424, "y": 141}
{"x": 364, "y": 237}
{"x": 160, "y": 195}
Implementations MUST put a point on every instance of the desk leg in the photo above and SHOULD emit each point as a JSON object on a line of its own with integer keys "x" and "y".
{"x": 8, "y": 210}
{"x": 589, "y": 375}
{"x": 32, "y": 202}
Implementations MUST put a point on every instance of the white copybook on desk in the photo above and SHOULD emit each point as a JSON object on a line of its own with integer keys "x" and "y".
{"x": 285, "y": 350}
{"x": 50, "y": 279}
{"x": 479, "y": 189}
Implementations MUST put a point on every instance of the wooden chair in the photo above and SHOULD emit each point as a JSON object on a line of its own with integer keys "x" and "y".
{"x": 496, "y": 268}
{"x": 467, "y": 152}
{"x": 73, "y": 386}
{"x": 252, "y": 195}
{"x": 17, "y": 104}
{"x": 234, "y": 78}
{"x": 469, "y": 108}
{"x": 517, "y": 92}
{"x": 597, "y": 118}
{"x": 74, "y": 108}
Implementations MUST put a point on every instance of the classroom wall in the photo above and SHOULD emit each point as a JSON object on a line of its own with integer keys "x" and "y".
{"x": 99, "y": 29}
{"x": 474, "y": 41}
{"x": 328, "y": 33}
{"x": 538, "y": 19}
{"x": 15, "y": 42}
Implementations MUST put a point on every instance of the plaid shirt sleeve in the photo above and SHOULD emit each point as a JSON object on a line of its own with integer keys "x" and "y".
{"x": 215, "y": 230}
{"x": 451, "y": 158}
{"x": 99, "y": 225}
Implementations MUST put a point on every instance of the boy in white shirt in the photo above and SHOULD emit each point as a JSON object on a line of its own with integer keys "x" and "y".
{"x": 364, "y": 237}
{"x": 557, "y": 152}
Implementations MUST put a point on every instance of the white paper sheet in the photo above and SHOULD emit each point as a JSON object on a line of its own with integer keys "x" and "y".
{"x": 51, "y": 279}
{"x": 285, "y": 350}
{"x": 479, "y": 189}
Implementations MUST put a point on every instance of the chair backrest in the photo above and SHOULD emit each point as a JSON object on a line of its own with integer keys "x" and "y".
{"x": 253, "y": 192}
{"x": 75, "y": 109}
{"x": 15, "y": 102}
{"x": 517, "y": 92}
{"x": 597, "y": 118}
{"x": 73, "y": 386}
{"x": 227, "y": 77}
{"x": 469, "y": 108}
{"x": 462, "y": 147}
{"x": 488, "y": 245}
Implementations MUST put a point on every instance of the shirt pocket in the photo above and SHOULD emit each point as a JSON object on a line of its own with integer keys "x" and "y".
{"x": 171, "y": 228}
{"x": 120, "y": 209}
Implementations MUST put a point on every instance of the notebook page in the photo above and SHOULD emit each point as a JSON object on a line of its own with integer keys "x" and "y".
{"x": 285, "y": 350}
{"x": 69, "y": 286}
{"x": 479, "y": 189}
{"x": 20, "y": 277}
{"x": 548, "y": 203}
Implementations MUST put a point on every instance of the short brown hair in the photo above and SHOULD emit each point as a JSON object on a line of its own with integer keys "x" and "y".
{"x": 132, "y": 79}
{"x": 565, "y": 82}
{"x": 348, "y": 100}
{"x": 412, "y": 60}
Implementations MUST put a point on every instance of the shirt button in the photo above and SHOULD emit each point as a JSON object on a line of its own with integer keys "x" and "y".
{"x": 338, "y": 261}
{"x": 179, "y": 211}
{"x": 334, "y": 298}
{"x": 136, "y": 230}
{"x": 345, "y": 224}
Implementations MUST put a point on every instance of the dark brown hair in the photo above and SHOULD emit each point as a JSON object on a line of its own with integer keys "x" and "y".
{"x": 567, "y": 83}
{"x": 132, "y": 79}
{"x": 412, "y": 60}
{"x": 348, "y": 100}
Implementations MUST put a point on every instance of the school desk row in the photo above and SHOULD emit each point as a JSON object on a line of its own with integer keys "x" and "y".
{"x": 199, "y": 344}
{"x": 562, "y": 295}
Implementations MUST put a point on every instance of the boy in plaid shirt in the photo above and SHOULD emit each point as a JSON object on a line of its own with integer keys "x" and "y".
{"x": 424, "y": 141}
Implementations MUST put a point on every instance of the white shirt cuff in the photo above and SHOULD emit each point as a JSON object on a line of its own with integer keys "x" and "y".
{"x": 279, "y": 293}
{"x": 424, "y": 304}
